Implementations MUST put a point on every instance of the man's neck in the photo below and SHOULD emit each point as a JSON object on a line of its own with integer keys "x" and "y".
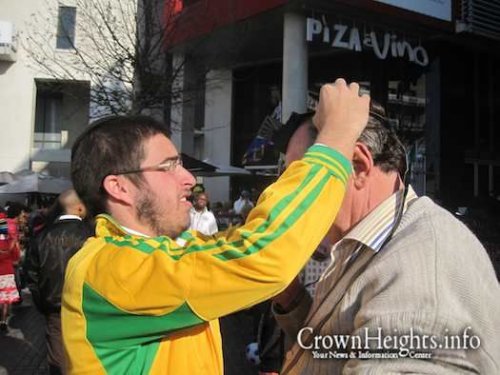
{"x": 385, "y": 185}
{"x": 381, "y": 188}
{"x": 134, "y": 232}
{"x": 131, "y": 223}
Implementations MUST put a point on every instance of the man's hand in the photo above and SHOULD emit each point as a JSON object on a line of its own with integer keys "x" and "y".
{"x": 341, "y": 116}
{"x": 286, "y": 300}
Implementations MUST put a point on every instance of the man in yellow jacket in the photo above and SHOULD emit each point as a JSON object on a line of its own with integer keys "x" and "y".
{"x": 143, "y": 296}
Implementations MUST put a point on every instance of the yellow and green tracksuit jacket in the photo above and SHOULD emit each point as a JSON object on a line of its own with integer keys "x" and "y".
{"x": 149, "y": 305}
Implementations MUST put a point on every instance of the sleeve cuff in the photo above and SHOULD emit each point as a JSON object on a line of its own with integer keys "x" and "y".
{"x": 291, "y": 322}
{"x": 337, "y": 163}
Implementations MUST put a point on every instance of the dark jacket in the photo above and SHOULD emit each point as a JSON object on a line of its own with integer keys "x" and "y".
{"x": 48, "y": 258}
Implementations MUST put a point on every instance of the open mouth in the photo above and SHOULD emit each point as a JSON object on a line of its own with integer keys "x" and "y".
{"x": 186, "y": 200}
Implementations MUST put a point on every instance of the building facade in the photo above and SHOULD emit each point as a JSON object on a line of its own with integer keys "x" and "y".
{"x": 433, "y": 65}
{"x": 48, "y": 51}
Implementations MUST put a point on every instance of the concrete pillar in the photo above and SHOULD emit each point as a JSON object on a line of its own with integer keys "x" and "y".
{"x": 176, "y": 104}
{"x": 217, "y": 130}
{"x": 182, "y": 115}
{"x": 295, "y": 65}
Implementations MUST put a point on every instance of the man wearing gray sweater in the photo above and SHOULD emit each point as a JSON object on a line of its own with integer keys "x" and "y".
{"x": 409, "y": 290}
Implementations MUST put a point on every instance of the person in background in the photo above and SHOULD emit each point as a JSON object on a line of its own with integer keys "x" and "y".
{"x": 7, "y": 205}
{"x": 50, "y": 253}
{"x": 254, "y": 195}
{"x": 48, "y": 211}
{"x": 202, "y": 219}
{"x": 18, "y": 214}
{"x": 10, "y": 253}
{"x": 243, "y": 203}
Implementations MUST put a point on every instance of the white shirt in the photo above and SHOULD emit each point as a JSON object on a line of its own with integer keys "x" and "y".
{"x": 240, "y": 203}
{"x": 203, "y": 221}
{"x": 70, "y": 217}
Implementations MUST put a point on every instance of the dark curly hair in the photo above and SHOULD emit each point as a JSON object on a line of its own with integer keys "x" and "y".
{"x": 108, "y": 146}
{"x": 387, "y": 150}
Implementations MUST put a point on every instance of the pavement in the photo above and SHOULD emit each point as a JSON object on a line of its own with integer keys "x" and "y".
{"x": 22, "y": 348}
{"x": 237, "y": 332}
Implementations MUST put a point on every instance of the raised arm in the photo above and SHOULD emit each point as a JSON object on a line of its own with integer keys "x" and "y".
{"x": 196, "y": 279}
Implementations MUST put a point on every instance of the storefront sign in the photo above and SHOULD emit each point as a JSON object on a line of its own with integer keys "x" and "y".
{"x": 433, "y": 8}
{"x": 383, "y": 45}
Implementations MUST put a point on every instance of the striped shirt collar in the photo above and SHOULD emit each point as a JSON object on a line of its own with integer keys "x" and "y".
{"x": 373, "y": 230}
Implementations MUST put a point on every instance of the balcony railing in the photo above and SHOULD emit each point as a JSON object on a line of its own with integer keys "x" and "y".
{"x": 480, "y": 17}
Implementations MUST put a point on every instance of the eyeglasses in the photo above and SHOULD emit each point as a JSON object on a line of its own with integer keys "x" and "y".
{"x": 169, "y": 164}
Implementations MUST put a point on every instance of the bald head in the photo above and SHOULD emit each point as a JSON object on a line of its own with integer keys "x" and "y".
{"x": 71, "y": 203}
{"x": 300, "y": 141}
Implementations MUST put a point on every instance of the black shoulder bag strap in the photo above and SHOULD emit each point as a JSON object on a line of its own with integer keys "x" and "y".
{"x": 330, "y": 302}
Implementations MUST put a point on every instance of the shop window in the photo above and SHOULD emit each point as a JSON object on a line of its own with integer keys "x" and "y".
{"x": 48, "y": 112}
{"x": 66, "y": 27}
{"x": 406, "y": 114}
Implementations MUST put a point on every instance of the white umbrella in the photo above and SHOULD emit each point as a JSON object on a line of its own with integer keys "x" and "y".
{"x": 36, "y": 183}
{"x": 7, "y": 177}
{"x": 224, "y": 170}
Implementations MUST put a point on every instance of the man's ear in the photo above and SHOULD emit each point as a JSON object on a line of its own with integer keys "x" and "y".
{"x": 118, "y": 188}
{"x": 82, "y": 212}
{"x": 363, "y": 165}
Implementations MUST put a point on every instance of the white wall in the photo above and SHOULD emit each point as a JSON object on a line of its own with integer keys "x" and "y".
{"x": 37, "y": 18}
{"x": 17, "y": 95}
{"x": 18, "y": 89}
{"x": 295, "y": 65}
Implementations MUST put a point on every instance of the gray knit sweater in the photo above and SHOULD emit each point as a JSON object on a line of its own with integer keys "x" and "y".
{"x": 435, "y": 278}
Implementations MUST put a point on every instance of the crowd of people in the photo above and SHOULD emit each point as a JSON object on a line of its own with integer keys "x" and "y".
{"x": 134, "y": 291}
{"x": 13, "y": 238}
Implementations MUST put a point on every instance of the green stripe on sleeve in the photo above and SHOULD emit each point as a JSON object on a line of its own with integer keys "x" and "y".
{"x": 273, "y": 215}
{"x": 136, "y": 244}
{"x": 186, "y": 235}
{"x": 337, "y": 172}
{"x": 330, "y": 162}
{"x": 330, "y": 152}
{"x": 289, "y": 221}
{"x": 147, "y": 245}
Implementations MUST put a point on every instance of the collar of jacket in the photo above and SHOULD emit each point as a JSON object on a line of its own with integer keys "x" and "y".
{"x": 107, "y": 226}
